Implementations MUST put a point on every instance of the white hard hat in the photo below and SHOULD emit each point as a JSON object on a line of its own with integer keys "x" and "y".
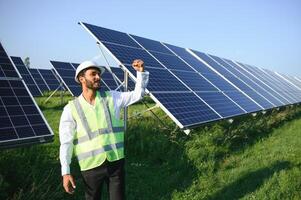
{"x": 87, "y": 64}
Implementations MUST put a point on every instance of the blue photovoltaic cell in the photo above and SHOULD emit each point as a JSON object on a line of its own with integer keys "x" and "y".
{"x": 194, "y": 81}
{"x": 297, "y": 79}
{"x": 74, "y": 65}
{"x": 107, "y": 35}
{"x": 237, "y": 82}
{"x": 267, "y": 80}
{"x": 7, "y": 69}
{"x": 50, "y": 79}
{"x": 219, "y": 82}
{"x": 18, "y": 113}
{"x": 265, "y": 86}
{"x": 191, "y": 60}
{"x": 67, "y": 72}
{"x": 271, "y": 95}
{"x": 127, "y": 55}
{"x": 213, "y": 64}
{"x": 39, "y": 80}
{"x": 120, "y": 75}
{"x": 287, "y": 87}
{"x": 293, "y": 81}
{"x": 108, "y": 80}
{"x": 151, "y": 45}
{"x": 161, "y": 53}
{"x": 244, "y": 102}
{"x": 172, "y": 62}
{"x": 223, "y": 105}
{"x": 21, "y": 121}
{"x": 26, "y": 76}
{"x": 161, "y": 80}
{"x": 187, "y": 108}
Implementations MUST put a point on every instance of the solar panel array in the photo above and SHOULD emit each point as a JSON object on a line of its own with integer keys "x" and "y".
{"x": 21, "y": 121}
{"x": 193, "y": 87}
{"x": 26, "y": 75}
{"x": 66, "y": 71}
{"x": 37, "y": 80}
{"x": 50, "y": 79}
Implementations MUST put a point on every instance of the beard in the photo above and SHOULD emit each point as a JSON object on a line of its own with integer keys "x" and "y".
{"x": 93, "y": 85}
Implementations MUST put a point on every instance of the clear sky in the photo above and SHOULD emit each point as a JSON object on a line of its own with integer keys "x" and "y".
{"x": 264, "y": 33}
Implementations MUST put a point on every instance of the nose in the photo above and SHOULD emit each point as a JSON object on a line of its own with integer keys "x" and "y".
{"x": 97, "y": 76}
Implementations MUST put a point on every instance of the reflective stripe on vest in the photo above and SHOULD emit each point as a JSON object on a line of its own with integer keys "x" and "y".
{"x": 103, "y": 149}
{"x": 90, "y": 135}
{"x": 106, "y": 109}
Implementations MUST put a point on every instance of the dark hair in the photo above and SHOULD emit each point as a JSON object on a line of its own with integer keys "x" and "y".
{"x": 82, "y": 73}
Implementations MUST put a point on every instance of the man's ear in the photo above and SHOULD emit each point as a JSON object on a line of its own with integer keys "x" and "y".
{"x": 80, "y": 78}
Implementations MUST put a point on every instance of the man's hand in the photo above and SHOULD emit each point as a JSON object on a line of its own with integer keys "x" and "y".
{"x": 68, "y": 183}
{"x": 138, "y": 65}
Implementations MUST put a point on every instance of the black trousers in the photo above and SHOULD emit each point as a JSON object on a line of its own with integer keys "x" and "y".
{"x": 111, "y": 173}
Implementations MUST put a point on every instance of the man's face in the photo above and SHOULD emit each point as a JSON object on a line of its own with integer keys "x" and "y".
{"x": 91, "y": 79}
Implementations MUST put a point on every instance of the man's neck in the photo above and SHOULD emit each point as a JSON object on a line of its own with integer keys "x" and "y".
{"x": 89, "y": 96}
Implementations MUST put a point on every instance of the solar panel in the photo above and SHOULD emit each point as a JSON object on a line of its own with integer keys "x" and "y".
{"x": 50, "y": 78}
{"x": 39, "y": 79}
{"x": 296, "y": 88}
{"x": 120, "y": 75}
{"x": 229, "y": 90}
{"x": 66, "y": 71}
{"x": 187, "y": 75}
{"x": 262, "y": 87}
{"x": 259, "y": 88}
{"x": 268, "y": 80}
{"x": 21, "y": 121}
{"x": 298, "y": 79}
{"x": 169, "y": 74}
{"x": 248, "y": 90}
{"x": 292, "y": 80}
{"x": 190, "y": 86}
{"x": 26, "y": 76}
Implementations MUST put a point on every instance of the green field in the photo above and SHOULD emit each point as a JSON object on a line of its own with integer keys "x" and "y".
{"x": 255, "y": 157}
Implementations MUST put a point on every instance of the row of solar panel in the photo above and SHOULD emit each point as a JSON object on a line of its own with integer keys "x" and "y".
{"x": 21, "y": 121}
{"x": 40, "y": 80}
{"x": 112, "y": 79}
{"x": 194, "y": 87}
{"x": 37, "y": 80}
{"x": 190, "y": 86}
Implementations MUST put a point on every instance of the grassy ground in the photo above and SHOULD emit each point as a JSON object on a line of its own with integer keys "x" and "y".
{"x": 252, "y": 158}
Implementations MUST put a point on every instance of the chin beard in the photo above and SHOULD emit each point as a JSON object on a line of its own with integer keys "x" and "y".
{"x": 92, "y": 85}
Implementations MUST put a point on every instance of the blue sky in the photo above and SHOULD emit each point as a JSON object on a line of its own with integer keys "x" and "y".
{"x": 264, "y": 33}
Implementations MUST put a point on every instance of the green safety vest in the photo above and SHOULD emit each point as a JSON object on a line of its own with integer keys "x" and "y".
{"x": 99, "y": 134}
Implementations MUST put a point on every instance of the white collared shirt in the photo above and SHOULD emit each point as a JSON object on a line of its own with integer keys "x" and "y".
{"x": 67, "y": 126}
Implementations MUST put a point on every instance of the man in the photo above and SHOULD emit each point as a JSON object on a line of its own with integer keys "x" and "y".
{"x": 90, "y": 127}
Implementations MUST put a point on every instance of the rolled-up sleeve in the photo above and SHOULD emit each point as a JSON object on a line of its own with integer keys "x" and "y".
{"x": 123, "y": 99}
{"x": 66, "y": 133}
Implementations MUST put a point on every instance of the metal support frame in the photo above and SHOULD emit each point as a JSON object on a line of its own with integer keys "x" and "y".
{"x": 149, "y": 109}
{"x": 61, "y": 95}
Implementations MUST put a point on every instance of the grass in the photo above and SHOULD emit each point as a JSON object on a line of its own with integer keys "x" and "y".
{"x": 252, "y": 158}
